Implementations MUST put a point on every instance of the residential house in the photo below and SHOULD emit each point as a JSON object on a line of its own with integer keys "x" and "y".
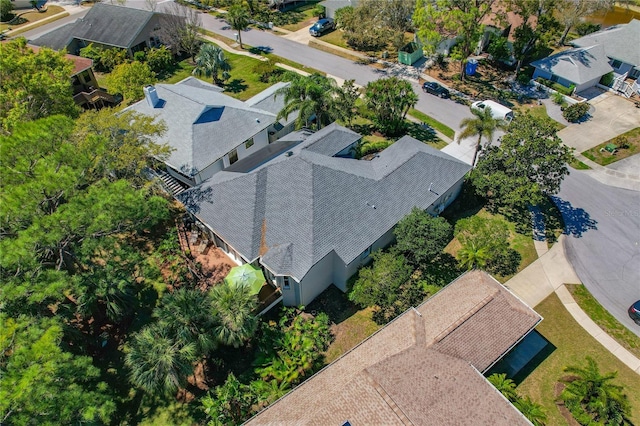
{"x": 423, "y": 368}
{"x": 107, "y": 26}
{"x": 210, "y": 130}
{"x": 86, "y": 91}
{"x": 310, "y": 215}
{"x": 582, "y": 67}
{"x": 621, "y": 46}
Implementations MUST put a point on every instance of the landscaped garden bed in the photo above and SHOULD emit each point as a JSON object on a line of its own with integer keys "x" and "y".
{"x": 623, "y": 146}
{"x": 571, "y": 344}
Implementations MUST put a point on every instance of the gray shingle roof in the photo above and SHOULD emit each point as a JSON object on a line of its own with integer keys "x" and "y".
{"x": 332, "y": 140}
{"x": 203, "y": 123}
{"x": 619, "y": 42}
{"x": 578, "y": 65}
{"x": 319, "y": 204}
{"x": 401, "y": 375}
{"x": 104, "y": 23}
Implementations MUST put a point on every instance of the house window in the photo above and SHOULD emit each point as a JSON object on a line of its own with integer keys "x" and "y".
{"x": 286, "y": 284}
{"x": 233, "y": 156}
{"x": 248, "y": 144}
{"x": 554, "y": 78}
{"x": 616, "y": 64}
{"x": 365, "y": 253}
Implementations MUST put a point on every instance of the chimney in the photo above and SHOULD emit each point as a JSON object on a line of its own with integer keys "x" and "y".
{"x": 151, "y": 95}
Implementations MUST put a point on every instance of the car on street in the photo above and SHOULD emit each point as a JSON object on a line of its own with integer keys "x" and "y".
{"x": 634, "y": 312}
{"x": 435, "y": 89}
{"x": 322, "y": 26}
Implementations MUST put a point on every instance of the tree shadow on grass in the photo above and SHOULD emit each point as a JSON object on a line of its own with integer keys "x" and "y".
{"x": 236, "y": 85}
{"x": 576, "y": 220}
{"x": 363, "y": 129}
{"x": 422, "y": 132}
{"x": 334, "y": 303}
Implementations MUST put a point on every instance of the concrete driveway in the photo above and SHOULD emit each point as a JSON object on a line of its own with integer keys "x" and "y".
{"x": 602, "y": 224}
{"x": 613, "y": 116}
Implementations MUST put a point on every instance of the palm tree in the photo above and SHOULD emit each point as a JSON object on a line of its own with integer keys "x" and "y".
{"x": 186, "y": 315}
{"x": 211, "y": 61}
{"x": 267, "y": 392}
{"x": 238, "y": 19}
{"x": 483, "y": 125}
{"x": 233, "y": 308}
{"x": 507, "y": 387}
{"x": 472, "y": 256}
{"x": 311, "y": 97}
{"x": 158, "y": 362}
{"x": 531, "y": 411}
{"x": 591, "y": 393}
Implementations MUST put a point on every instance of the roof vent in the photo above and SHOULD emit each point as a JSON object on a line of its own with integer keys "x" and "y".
{"x": 288, "y": 153}
{"x": 257, "y": 120}
{"x": 371, "y": 205}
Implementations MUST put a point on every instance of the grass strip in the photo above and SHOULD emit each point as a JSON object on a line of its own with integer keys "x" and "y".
{"x": 442, "y": 128}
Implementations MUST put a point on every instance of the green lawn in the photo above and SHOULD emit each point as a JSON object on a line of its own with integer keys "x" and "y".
{"x": 523, "y": 244}
{"x": 627, "y": 144}
{"x": 442, "y": 128}
{"x": 300, "y": 16}
{"x": 31, "y": 17}
{"x": 578, "y": 165}
{"x": 335, "y": 38}
{"x": 243, "y": 83}
{"x": 540, "y": 111}
{"x": 604, "y": 319}
{"x": 572, "y": 343}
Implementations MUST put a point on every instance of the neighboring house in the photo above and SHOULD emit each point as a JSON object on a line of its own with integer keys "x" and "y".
{"x": 581, "y": 67}
{"x": 310, "y": 215}
{"x": 621, "y": 45}
{"x": 423, "y": 368}
{"x": 86, "y": 91}
{"x": 209, "y": 130}
{"x": 106, "y": 26}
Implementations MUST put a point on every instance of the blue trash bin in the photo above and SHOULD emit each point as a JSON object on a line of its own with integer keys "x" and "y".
{"x": 472, "y": 65}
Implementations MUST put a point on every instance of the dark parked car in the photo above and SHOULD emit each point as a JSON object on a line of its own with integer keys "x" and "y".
{"x": 435, "y": 89}
{"x": 322, "y": 26}
{"x": 634, "y": 312}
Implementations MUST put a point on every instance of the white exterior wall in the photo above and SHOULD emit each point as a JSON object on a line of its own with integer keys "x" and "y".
{"x": 319, "y": 277}
{"x": 209, "y": 171}
{"x": 260, "y": 140}
{"x": 588, "y": 84}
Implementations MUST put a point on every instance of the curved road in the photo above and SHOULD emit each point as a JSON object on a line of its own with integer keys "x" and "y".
{"x": 603, "y": 241}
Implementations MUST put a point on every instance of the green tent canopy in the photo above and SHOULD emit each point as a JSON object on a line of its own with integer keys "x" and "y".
{"x": 246, "y": 275}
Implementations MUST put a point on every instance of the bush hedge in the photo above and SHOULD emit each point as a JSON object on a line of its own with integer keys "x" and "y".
{"x": 573, "y": 113}
{"x": 557, "y": 86}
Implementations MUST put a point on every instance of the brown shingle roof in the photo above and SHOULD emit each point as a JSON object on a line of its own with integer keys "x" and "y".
{"x": 420, "y": 369}
{"x": 79, "y": 63}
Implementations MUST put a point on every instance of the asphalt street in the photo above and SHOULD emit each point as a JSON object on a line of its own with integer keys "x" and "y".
{"x": 443, "y": 110}
{"x": 603, "y": 241}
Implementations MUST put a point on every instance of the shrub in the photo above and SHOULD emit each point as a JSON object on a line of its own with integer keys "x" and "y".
{"x": 573, "y": 113}
{"x": 523, "y": 78}
{"x": 111, "y": 58}
{"x": 159, "y": 59}
{"x": 557, "y": 86}
{"x": 585, "y": 28}
{"x": 558, "y": 98}
{"x": 367, "y": 148}
{"x": 6, "y": 10}
{"x": 140, "y": 56}
{"x": 607, "y": 79}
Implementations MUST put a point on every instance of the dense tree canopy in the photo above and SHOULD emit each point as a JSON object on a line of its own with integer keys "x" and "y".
{"x": 422, "y": 237}
{"x": 130, "y": 78}
{"x": 33, "y": 85}
{"x": 312, "y": 98}
{"x": 389, "y": 100}
{"x": 529, "y": 164}
{"x": 436, "y": 21}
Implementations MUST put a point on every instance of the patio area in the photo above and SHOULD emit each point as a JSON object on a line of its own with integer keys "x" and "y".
{"x": 213, "y": 265}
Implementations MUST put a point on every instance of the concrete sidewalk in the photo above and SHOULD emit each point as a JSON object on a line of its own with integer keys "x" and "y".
{"x": 549, "y": 274}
